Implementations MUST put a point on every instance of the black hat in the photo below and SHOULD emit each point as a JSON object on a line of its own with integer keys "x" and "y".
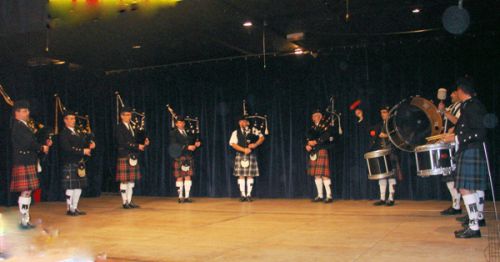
{"x": 21, "y": 104}
{"x": 68, "y": 113}
{"x": 385, "y": 107}
{"x": 466, "y": 83}
{"x": 126, "y": 109}
{"x": 242, "y": 117}
{"x": 316, "y": 111}
{"x": 179, "y": 118}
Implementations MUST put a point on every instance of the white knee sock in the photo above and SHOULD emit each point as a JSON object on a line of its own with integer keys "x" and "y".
{"x": 382, "y": 183}
{"x": 76, "y": 198}
{"x": 470, "y": 202}
{"x": 130, "y": 191}
{"x": 24, "y": 209}
{"x": 455, "y": 196}
{"x": 480, "y": 204}
{"x": 319, "y": 186}
{"x": 249, "y": 186}
{"x": 327, "y": 182}
{"x": 179, "y": 185}
{"x": 69, "y": 199}
{"x": 241, "y": 182}
{"x": 392, "y": 188}
{"x": 187, "y": 187}
{"x": 123, "y": 192}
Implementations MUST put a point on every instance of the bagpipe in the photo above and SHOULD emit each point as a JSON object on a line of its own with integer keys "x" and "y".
{"x": 257, "y": 125}
{"x": 137, "y": 122}
{"x": 323, "y": 132}
{"x": 192, "y": 128}
{"x": 82, "y": 128}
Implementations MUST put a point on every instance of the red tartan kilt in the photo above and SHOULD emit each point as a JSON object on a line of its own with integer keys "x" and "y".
{"x": 321, "y": 166}
{"x": 125, "y": 172}
{"x": 24, "y": 178}
{"x": 178, "y": 164}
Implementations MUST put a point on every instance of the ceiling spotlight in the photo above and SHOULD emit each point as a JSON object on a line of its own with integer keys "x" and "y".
{"x": 416, "y": 10}
{"x": 298, "y": 51}
{"x": 247, "y": 24}
{"x": 136, "y": 46}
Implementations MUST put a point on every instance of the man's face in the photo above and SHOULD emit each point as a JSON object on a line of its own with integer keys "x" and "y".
{"x": 180, "y": 124}
{"x": 70, "y": 121}
{"x": 126, "y": 116}
{"x": 244, "y": 123}
{"x": 316, "y": 117}
{"x": 461, "y": 95}
{"x": 358, "y": 113}
{"x": 454, "y": 97}
{"x": 22, "y": 114}
{"x": 384, "y": 113}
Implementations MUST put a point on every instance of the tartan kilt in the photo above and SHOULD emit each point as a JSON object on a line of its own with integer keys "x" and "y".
{"x": 125, "y": 172}
{"x": 472, "y": 170}
{"x": 70, "y": 178}
{"x": 320, "y": 166}
{"x": 24, "y": 178}
{"x": 251, "y": 171}
{"x": 178, "y": 172}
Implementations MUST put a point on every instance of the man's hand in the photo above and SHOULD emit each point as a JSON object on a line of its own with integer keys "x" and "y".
{"x": 247, "y": 151}
{"x": 252, "y": 146}
{"x": 449, "y": 138}
{"x": 45, "y": 149}
{"x": 308, "y": 148}
{"x": 86, "y": 151}
{"x": 197, "y": 144}
{"x": 312, "y": 142}
{"x": 191, "y": 147}
{"x": 92, "y": 145}
{"x": 141, "y": 147}
{"x": 383, "y": 135}
{"x": 146, "y": 141}
{"x": 49, "y": 142}
{"x": 441, "y": 106}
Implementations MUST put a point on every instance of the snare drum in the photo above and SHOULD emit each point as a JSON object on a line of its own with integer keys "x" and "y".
{"x": 434, "y": 159}
{"x": 379, "y": 164}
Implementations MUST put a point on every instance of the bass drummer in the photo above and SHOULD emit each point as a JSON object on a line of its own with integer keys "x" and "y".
{"x": 451, "y": 114}
{"x": 380, "y": 140}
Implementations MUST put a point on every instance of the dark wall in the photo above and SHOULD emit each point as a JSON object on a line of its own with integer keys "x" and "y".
{"x": 287, "y": 91}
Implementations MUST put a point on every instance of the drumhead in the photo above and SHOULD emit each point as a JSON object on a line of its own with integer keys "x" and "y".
{"x": 436, "y": 146}
{"x": 377, "y": 153}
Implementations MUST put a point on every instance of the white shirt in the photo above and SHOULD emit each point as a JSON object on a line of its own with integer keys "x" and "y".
{"x": 72, "y": 130}
{"x": 234, "y": 135}
{"x": 129, "y": 128}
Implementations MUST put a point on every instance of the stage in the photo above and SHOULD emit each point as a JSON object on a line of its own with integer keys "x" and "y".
{"x": 222, "y": 229}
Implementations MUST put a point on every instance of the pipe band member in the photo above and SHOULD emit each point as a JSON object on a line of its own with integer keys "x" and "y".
{"x": 245, "y": 141}
{"x": 185, "y": 144}
{"x": 25, "y": 149}
{"x": 127, "y": 165}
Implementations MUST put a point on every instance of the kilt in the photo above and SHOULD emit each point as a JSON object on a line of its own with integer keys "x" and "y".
{"x": 321, "y": 166}
{"x": 178, "y": 172}
{"x": 125, "y": 172}
{"x": 251, "y": 171}
{"x": 472, "y": 170}
{"x": 24, "y": 178}
{"x": 70, "y": 178}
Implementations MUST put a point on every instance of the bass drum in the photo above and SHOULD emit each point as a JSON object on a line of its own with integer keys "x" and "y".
{"x": 411, "y": 121}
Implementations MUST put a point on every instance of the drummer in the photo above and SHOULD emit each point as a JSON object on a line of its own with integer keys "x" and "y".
{"x": 452, "y": 113}
{"x": 380, "y": 140}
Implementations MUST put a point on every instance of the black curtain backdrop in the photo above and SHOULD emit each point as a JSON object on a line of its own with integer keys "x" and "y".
{"x": 287, "y": 91}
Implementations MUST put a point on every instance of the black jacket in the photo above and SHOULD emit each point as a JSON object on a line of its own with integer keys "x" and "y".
{"x": 470, "y": 129}
{"x": 321, "y": 137}
{"x": 71, "y": 146}
{"x": 183, "y": 141}
{"x": 25, "y": 147}
{"x": 378, "y": 143}
{"x": 126, "y": 142}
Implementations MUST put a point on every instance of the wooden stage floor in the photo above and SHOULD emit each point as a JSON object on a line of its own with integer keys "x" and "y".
{"x": 222, "y": 229}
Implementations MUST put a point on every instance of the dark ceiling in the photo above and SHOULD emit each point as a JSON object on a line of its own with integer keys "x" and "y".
{"x": 209, "y": 29}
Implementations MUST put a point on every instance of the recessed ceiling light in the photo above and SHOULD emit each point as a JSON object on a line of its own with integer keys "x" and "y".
{"x": 247, "y": 24}
{"x": 136, "y": 46}
{"x": 416, "y": 10}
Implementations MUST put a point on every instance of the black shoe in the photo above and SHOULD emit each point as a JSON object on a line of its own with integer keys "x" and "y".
{"x": 451, "y": 212}
{"x": 27, "y": 226}
{"x": 80, "y": 213}
{"x": 389, "y": 203}
{"x": 126, "y": 206}
{"x": 188, "y": 200}
{"x": 481, "y": 223}
{"x": 463, "y": 219}
{"x": 71, "y": 213}
{"x": 243, "y": 199}
{"x": 328, "y": 200}
{"x": 379, "y": 203}
{"x": 317, "y": 199}
{"x": 133, "y": 205}
{"x": 249, "y": 199}
{"x": 468, "y": 233}
{"x": 180, "y": 200}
